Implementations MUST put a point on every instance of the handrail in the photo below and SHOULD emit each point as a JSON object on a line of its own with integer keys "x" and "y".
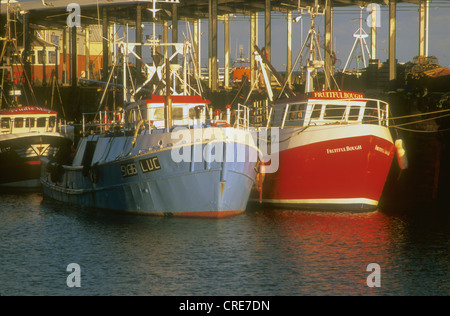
{"x": 242, "y": 117}
{"x": 105, "y": 120}
{"x": 375, "y": 111}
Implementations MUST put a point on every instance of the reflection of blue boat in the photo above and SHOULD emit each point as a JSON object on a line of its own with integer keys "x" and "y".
{"x": 139, "y": 168}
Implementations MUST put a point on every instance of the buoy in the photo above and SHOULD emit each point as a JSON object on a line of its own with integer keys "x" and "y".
{"x": 401, "y": 154}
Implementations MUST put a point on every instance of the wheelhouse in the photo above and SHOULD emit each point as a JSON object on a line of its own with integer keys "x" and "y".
{"x": 27, "y": 120}
{"x": 318, "y": 110}
{"x": 186, "y": 111}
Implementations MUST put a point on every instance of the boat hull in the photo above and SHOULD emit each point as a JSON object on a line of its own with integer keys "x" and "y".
{"x": 154, "y": 183}
{"x": 333, "y": 168}
{"x": 20, "y": 158}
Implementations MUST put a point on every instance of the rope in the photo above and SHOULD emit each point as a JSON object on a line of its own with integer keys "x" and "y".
{"x": 420, "y": 114}
{"x": 399, "y": 126}
{"x": 423, "y": 131}
{"x": 420, "y": 121}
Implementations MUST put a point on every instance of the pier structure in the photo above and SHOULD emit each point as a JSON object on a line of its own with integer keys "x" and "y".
{"x": 54, "y": 14}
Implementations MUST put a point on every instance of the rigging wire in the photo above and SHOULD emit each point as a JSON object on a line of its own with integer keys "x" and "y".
{"x": 400, "y": 126}
{"x": 423, "y": 131}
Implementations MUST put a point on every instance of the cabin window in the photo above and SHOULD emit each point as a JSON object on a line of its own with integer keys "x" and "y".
{"x": 157, "y": 114}
{"x": 370, "y": 115}
{"x": 354, "y": 113}
{"x": 29, "y": 122}
{"x": 41, "y": 57}
{"x": 52, "y": 122}
{"x": 317, "y": 110}
{"x": 296, "y": 112}
{"x": 41, "y": 122}
{"x": 192, "y": 113}
{"x": 5, "y": 123}
{"x": 52, "y": 57}
{"x": 293, "y": 115}
{"x": 334, "y": 112}
{"x": 54, "y": 39}
{"x": 18, "y": 122}
{"x": 177, "y": 113}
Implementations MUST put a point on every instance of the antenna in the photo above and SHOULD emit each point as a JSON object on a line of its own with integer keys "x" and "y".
{"x": 154, "y": 10}
{"x": 313, "y": 11}
{"x": 360, "y": 38}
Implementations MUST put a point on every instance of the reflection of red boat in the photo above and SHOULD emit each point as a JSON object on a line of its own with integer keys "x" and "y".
{"x": 335, "y": 149}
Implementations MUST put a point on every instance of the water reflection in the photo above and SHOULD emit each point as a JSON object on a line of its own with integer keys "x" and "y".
{"x": 258, "y": 253}
{"x": 332, "y": 250}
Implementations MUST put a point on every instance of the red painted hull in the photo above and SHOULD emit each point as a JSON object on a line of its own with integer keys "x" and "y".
{"x": 346, "y": 168}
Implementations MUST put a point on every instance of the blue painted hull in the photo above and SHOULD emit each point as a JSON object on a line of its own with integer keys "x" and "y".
{"x": 151, "y": 182}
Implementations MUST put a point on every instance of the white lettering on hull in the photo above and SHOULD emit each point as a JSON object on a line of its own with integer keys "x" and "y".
{"x": 343, "y": 149}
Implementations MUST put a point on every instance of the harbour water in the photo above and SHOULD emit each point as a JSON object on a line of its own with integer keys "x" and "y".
{"x": 259, "y": 253}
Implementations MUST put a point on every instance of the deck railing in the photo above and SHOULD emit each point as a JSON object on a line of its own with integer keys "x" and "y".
{"x": 242, "y": 117}
{"x": 351, "y": 111}
{"x": 102, "y": 121}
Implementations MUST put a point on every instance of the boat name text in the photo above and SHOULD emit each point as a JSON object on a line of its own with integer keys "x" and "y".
{"x": 147, "y": 165}
{"x": 382, "y": 150}
{"x": 150, "y": 164}
{"x": 343, "y": 149}
{"x": 337, "y": 95}
{"x": 128, "y": 170}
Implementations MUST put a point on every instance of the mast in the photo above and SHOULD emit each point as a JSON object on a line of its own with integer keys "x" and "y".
{"x": 168, "y": 103}
{"x": 360, "y": 38}
{"x": 313, "y": 64}
{"x": 125, "y": 65}
{"x": 314, "y": 61}
{"x": 7, "y": 37}
{"x": 6, "y": 40}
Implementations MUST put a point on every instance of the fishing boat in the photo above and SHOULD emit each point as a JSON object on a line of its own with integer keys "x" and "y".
{"x": 190, "y": 170}
{"x": 160, "y": 156}
{"x": 26, "y": 135}
{"x": 334, "y": 147}
{"x": 335, "y": 151}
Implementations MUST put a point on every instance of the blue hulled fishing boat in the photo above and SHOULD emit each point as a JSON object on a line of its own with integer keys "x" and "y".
{"x": 191, "y": 169}
{"x": 161, "y": 155}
